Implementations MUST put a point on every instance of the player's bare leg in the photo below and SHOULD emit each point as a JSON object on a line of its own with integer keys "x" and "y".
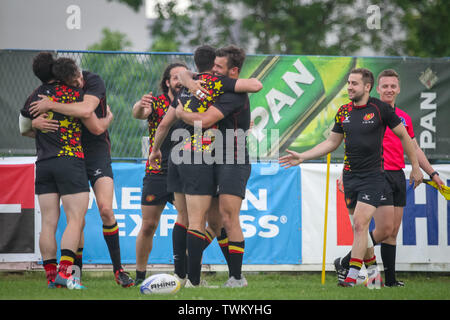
{"x": 49, "y": 205}
{"x": 75, "y": 206}
{"x": 384, "y": 223}
{"x": 104, "y": 193}
{"x": 230, "y": 206}
{"x": 144, "y": 241}
{"x": 361, "y": 218}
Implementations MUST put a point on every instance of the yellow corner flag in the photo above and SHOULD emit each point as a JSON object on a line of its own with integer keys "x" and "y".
{"x": 326, "y": 218}
{"x": 445, "y": 191}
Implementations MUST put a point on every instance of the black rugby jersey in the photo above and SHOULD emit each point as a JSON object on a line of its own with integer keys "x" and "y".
{"x": 363, "y": 128}
{"x": 216, "y": 85}
{"x": 236, "y": 110}
{"x": 95, "y": 86}
{"x": 66, "y": 141}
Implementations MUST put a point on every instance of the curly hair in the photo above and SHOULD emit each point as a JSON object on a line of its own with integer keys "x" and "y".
{"x": 166, "y": 75}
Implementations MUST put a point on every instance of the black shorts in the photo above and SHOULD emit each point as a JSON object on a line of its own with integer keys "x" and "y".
{"x": 232, "y": 178}
{"x": 63, "y": 175}
{"x": 397, "y": 181}
{"x": 154, "y": 190}
{"x": 368, "y": 187}
{"x": 98, "y": 165}
{"x": 193, "y": 179}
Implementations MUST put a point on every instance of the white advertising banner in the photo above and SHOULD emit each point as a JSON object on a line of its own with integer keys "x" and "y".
{"x": 423, "y": 242}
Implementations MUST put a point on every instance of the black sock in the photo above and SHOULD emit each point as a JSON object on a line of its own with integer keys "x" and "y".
{"x": 223, "y": 243}
{"x": 345, "y": 261}
{"x": 373, "y": 239}
{"x": 140, "y": 274}
{"x": 111, "y": 235}
{"x": 78, "y": 261}
{"x": 208, "y": 239}
{"x": 179, "y": 250}
{"x": 195, "y": 244}
{"x": 236, "y": 251}
{"x": 388, "y": 252}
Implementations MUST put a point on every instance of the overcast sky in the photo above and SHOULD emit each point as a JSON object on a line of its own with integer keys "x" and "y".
{"x": 46, "y": 24}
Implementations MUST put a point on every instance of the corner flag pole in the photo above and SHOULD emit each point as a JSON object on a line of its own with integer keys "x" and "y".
{"x": 326, "y": 218}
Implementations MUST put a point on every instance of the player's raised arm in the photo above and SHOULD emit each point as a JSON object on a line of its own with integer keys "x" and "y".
{"x": 82, "y": 109}
{"x": 161, "y": 133}
{"x": 329, "y": 145}
{"x": 144, "y": 107}
{"x": 25, "y": 127}
{"x": 251, "y": 85}
{"x": 195, "y": 86}
{"x": 207, "y": 118}
{"x": 97, "y": 125}
{"x": 426, "y": 166}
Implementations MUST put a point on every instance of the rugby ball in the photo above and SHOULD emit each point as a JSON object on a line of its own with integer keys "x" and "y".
{"x": 160, "y": 283}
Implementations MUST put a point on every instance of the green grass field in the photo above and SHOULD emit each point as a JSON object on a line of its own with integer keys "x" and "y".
{"x": 262, "y": 286}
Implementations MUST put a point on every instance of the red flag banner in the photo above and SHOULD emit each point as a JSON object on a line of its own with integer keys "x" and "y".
{"x": 17, "y": 208}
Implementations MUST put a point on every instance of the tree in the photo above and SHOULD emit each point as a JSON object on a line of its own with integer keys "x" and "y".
{"x": 204, "y": 21}
{"x": 331, "y": 27}
{"x": 266, "y": 26}
{"x": 134, "y": 4}
{"x": 111, "y": 41}
{"x": 427, "y": 26}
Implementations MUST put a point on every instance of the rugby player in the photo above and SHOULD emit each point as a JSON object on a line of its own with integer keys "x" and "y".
{"x": 231, "y": 112}
{"x": 362, "y": 124}
{"x": 97, "y": 149}
{"x": 154, "y": 190}
{"x": 389, "y": 217}
{"x": 189, "y": 178}
{"x": 60, "y": 169}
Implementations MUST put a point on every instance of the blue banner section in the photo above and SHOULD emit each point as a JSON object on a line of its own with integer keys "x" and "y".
{"x": 429, "y": 210}
{"x": 270, "y": 219}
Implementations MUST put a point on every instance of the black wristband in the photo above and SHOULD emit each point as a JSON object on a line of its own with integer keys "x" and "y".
{"x": 433, "y": 174}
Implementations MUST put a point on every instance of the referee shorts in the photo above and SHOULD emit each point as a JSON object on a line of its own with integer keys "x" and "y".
{"x": 397, "y": 182}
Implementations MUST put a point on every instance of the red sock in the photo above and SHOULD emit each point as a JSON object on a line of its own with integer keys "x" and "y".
{"x": 50, "y": 269}
{"x": 66, "y": 262}
{"x": 371, "y": 262}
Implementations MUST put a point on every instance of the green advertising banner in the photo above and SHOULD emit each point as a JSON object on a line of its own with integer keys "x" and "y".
{"x": 295, "y": 109}
{"x": 302, "y": 94}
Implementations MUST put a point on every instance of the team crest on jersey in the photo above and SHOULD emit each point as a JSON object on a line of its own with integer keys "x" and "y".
{"x": 368, "y": 118}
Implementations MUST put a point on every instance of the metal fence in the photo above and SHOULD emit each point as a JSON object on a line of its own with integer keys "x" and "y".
{"x": 127, "y": 77}
{"x": 300, "y": 98}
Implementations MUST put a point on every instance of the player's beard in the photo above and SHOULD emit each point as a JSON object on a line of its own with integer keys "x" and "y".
{"x": 357, "y": 97}
{"x": 175, "y": 89}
